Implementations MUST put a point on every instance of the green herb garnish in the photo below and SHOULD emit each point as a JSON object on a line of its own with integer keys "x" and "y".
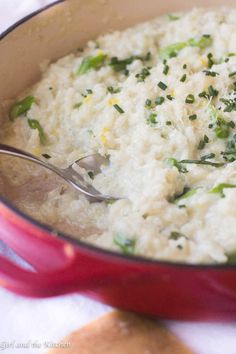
{"x": 166, "y": 68}
{"x": 148, "y": 103}
{"x": 203, "y": 142}
{"x": 91, "y": 62}
{"x": 190, "y": 99}
{"x": 174, "y": 235}
{"x": 151, "y": 120}
{"x": 208, "y": 156}
{"x": 174, "y": 49}
{"x": 78, "y": 105}
{"x": 187, "y": 192}
{"x": 170, "y": 98}
{"x": 118, "y": 108}
{"x": 230, "y": 104}
{"x": 210, "y": 60}
{"x": 212, "y": 92}
{"x": 174, "y": 163}
{"x": 127, "y": 245}
{"x": 46, "y": 156}
{"x": 144, "y": 73}
{"x": 162, "y": 86}
{"x": 91, "y": 174}
{"x": 171, "y": 17}
{"x": 231, "y": 257}
{"x": 159, "y": 100}
{"x": 220, "y": 188}
{"x": 121, "y": 64}
{"x": 21, "y": 107}
{"x": 230, "y": 153}
{"x": 221, "y": 128}
{"x": 203, "y": 162}
{"x": 210, "y": 73}
{"x": 232, "y": 74}
{"x": 183, "y": 78}
{"x": 34, "y": 124}
{"x": 111, "y": 89}
{"x": 192, "y": 117}
{"x": 204, "y": 94}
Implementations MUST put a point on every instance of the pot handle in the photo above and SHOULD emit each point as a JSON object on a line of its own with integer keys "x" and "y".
{"x": 43, "y": 284}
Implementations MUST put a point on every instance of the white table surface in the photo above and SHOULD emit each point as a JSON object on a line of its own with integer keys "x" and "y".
{"x": 28, "y": 322}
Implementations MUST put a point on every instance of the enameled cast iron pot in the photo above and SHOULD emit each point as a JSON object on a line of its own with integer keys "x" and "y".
{"x": 62, "y": 264}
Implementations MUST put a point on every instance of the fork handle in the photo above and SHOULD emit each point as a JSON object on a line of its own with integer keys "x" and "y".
{"x": 12, "y": 151}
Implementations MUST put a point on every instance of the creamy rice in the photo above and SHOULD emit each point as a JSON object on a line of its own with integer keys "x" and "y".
{"x": 154, "y": 121}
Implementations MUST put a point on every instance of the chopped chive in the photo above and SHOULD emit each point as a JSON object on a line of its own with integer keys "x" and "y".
{"x": 121, "y": 64}
{"x": 170, "y": 98}
{"x": 210, "y": 73}
{"x": 231, "y": 257}
{"x": 190, "y": 99}
{"x": 232, "y": 74}
{"x": 21, "y": 107}
{"x": 201, "y": 145}
{"x": 174, "y": 235}
{"x": 144, "y": 73}
{"x": 220, "y": 188}
{"x": 230, "y": 104}
{"x": 148, "y": 103}
{"x": 208, "y": 157}
{"x": 162, "y": 86}
{"x": 168, "y": 122}
{"x": 171, "y": 17}
{"x": 118, "y": 108}
{"x": 231, "y": 124}
{"x": 127, "y": 245}
{"x": 151, "y": 120}
{"x": 212, "y": 92}
{"x": 89, "y": 91}
{"x": 221, "y": 127}
{"x": 203, "y": 142}
{"x": 203, "y": 95}
{"x": 174, "y": 163}
{"x": 166, "y": 68}
{"x": 78, "y": 105}
{"x": 90, "y": 62}
{"x": 34, "y": 124}
{"x": 183, "y": 78}
{"x": 159, "y": 100}
{"x": 210, "y": 60}
{"x": 192, "y": 117}
{"x": 91, "y": 174}
{"x": 203, "y": 162}
{"x": 174, "y": 49}
{"x": 46, "y": 156}
{"x": 187, "y": 192}
{"x": 111, "y": 89}
{"x": 185, "y": 66}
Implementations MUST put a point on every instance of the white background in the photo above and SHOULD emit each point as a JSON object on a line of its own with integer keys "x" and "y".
{"x": 24, "y": 320}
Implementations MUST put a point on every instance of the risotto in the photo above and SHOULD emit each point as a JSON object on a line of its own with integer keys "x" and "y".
{"x": 159, "y": 100}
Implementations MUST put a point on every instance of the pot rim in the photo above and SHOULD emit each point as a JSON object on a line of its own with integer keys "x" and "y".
{"x": 77, "y": 242}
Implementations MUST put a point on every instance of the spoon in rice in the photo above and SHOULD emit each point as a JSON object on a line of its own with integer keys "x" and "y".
{"x": 91, "y": 163}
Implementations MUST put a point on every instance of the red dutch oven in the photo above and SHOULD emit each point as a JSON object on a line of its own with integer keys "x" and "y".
{"x": 63, "y": 265}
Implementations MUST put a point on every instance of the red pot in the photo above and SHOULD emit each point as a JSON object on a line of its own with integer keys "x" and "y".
{"x": 63, "y": 265}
